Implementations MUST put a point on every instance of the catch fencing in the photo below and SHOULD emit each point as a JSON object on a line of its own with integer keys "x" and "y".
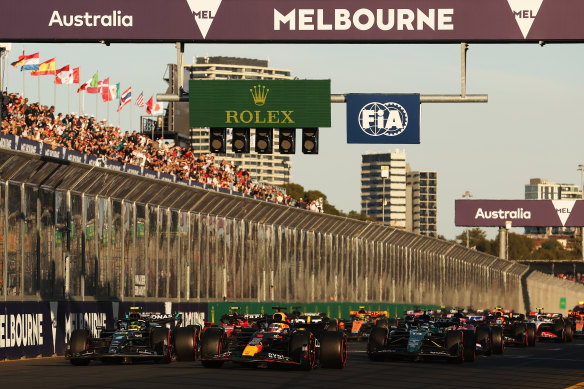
{"x": 73, "y": 231}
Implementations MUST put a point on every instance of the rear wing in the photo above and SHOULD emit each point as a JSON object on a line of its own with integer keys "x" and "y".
{"x": 155, "y": 317}
{"x": 370, "y": 313}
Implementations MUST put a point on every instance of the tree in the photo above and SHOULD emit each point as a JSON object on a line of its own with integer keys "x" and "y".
{"x": 477, "y": 238}
{"x": 294, "y": 190}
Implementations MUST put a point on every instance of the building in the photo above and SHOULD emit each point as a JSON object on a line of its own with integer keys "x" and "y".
{"x": 410, "y": 196}
{"x": 374, "y": 187}
{"x": 422, "y": 204}
{"x": 271, "y": 169}
{"x": 542, "y": 189}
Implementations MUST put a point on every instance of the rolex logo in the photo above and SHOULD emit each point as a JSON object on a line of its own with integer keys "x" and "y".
{"x": 259, "y": 93}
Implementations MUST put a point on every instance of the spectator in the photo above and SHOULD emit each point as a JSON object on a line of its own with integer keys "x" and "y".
{"x": 82, "y": 133}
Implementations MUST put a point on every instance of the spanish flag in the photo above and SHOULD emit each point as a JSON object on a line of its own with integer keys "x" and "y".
{"x": 47, "y": 68}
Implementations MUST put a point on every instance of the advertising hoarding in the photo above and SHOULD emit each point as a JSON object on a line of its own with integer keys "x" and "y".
{"x": 293, "y": 21}
{"x": 521, "y": 213}
{"x": 260, "y": 103}
{"x": 383, "y": 118}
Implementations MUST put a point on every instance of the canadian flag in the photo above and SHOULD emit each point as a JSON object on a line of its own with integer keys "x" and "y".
{"x": 66, "y": 76}
{"x": 154, "y": 109}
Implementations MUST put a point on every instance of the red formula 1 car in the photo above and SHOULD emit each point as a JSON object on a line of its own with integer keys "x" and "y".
{"x": 551, "y": 326}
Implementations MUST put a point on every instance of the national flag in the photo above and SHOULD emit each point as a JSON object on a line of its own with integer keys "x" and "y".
{"x": 153, "y": 109}
{"x": 111, "y": 93}
{"x": 66, "y": 76}
{"x": 62, "y": 75}
{"x": 93, "y": 86}
{"x": 88, "y": 83}
{"x": 104, "y": 89}
{"x": 140, "y": 100}
{"x": 125, "y": 98}
{"x": 27, "y": 62}
{"x": 47, "y": 68}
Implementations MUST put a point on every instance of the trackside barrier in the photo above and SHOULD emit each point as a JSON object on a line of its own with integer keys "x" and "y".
{"x": 70, "y": 231}
{"x": 33, "y": 329}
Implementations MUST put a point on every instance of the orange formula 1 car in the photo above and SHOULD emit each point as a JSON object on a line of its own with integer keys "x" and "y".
{"x": 361, "y": 322}
{"x": 577, "y": 316}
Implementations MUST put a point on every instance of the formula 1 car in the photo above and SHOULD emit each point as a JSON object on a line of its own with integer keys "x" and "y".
{"x": 278, "y": 341}
{"x": 576, "y": 315}
{"x": 234, "y": 319}
{"x": 516, "y": 329}
{"x": 137, "y": 336}
{"x": 361, "y": 322}
{"x": 422, "y": 338}
{"x": 488, "y": 336}
{"x": 551, "y": 326}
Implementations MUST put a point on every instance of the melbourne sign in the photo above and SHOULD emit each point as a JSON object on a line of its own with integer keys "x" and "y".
{"x": 260, "y": 103}
{"x": 29, "y": 329}
{"x": 521, "y": 213}
{"x": 379, "y": 118}
{"x": 293, "y": 20}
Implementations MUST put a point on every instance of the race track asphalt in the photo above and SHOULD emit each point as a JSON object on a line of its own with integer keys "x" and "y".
{"x": 548, "y": 365}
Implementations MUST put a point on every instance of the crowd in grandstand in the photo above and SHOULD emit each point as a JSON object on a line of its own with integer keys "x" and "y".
{"x": 571, "y": 277}
{"x": 87, "y": 135}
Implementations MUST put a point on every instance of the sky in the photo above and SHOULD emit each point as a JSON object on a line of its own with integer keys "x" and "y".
{"x": 531, "y": 127}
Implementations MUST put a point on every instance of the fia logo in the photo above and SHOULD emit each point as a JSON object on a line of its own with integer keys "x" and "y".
{"x": 379, "y": 119}
{"x": 204, "y": 12}
{"x": 525, "y": 12}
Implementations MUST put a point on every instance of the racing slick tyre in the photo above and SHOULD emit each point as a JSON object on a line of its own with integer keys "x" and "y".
{"x": 333, "y": 325}
{"x": 469, "y": 346}
{"x": 453, "y": 342}
{"x": 497, "y": 342}
{"x": 569, "y": 332}
{"x": 520, "y": 334}
{"x": 558, "y": 326}
{"x": 211, "y": 345}
{"x": 376, "y": 340}
{"x": 79, "y": 342}
{"x": 333, "y": 350}
{"x": 160, "y": 342}
{"x": 483, "y": 335}
{"x": 561, "y": 336}
{"x": 382, "y": 323}
{"x": 531, "y": 335}
{"x": 303, "y": 349}
{"x": 185, "y": 343}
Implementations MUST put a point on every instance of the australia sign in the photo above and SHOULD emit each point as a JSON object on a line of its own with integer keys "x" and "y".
{"x": 521, "y": 213}
{"x": 293, "y": 21}
{"x": 382, "y": 118}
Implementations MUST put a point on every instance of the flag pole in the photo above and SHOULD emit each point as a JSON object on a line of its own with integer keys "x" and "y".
{"x": 82, "y": 102}
{"x": 55, "y": 86}
{"x": 69, "y": 98}
{"x": 130, "y": 129}
{"x": 107, "y": 104}
{"x": 39, "y": 79}
{"x": 96, "y": 111}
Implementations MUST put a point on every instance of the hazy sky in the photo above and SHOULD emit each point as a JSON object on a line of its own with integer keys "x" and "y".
{"x": 531, "y": 126}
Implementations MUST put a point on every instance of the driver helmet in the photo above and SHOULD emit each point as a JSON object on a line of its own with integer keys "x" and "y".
{"x": 134, "y": 326}
{"x": 277, "y": 327}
